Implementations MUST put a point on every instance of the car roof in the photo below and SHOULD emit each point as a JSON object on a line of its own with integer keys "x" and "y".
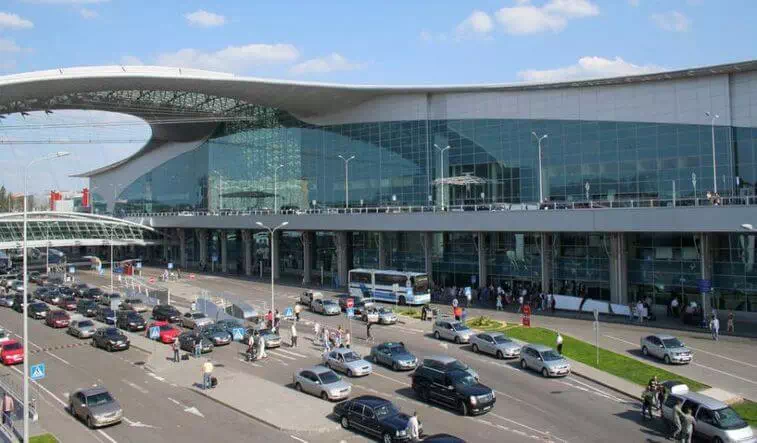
{"x": 703, "y": 400}
{"x": 318, "y": 369}
{"x": 342, "y": 350}
{"x": 371, "y": 400}
{"x": 92, "y": 391}
{"x": 441, "y": 358}
{"x": 539, "y": 348}
{"x": 663, "y": 336}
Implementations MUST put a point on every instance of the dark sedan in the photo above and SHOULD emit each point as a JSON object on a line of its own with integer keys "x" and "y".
{"x": 375, "y": 416}
{"x": 166, "y": 313}
{"x": 131, "y": 321}
{"x": 106, "y": 315}
{"x": 87, "y": 308}
{"x": 38, "y": 311}
{"x": 187, "y": 342}
{"x": 110, "y": 339}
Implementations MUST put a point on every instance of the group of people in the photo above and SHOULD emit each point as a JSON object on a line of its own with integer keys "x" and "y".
{"x": 339, "y": 338}
{"x": 683, "y": 421}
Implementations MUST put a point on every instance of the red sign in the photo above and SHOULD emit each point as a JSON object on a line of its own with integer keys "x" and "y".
{"x": 350, "y": 302}
{"x": 191, "y": 276}
{"x": 526, "y": 319}
{"x": 151, "y": 280}
{"x": 527, "y": 310}
{"x": 85, "y": 197}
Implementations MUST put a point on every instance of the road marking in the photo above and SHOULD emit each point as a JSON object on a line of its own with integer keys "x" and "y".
{"x": 190, "y": 409}
{"x": 249, "y": 362}
{"x": 137, "y": 424}
{"x": 156, "y": 377}
{"x": 390, "y": 378}
{"x": 64, "y": 361}
{"x": 292, "y": 353}
{"x": 725, "y": 373}
{"x": 101, "y": 432}
{"x": 281, "y": 355}
{"x": 723, "y": 357}
{"x": 299, "y": 439}
{"x": 621, "y": 340}
{"x": 526, "y": 427}
{"x": 136, "y": 386}
{"x": 522, "y": 401}
{"x": 279, "y": 360}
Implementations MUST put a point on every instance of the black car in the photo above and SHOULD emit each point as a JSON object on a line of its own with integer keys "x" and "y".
{"x": 79, "y": 289}
{"x": 105, "y": 315}
{"x": 110, "y": 339}
{"x": 38, "y": 311}
{"x": 187, "y": 341}
{"x": 166, "y": 313}
{"x": 66, "y": 291}
{"x": 375, "y": 416}
{"x": 95, "y": 294}
{"x": 130, "y": 320}
{"x": 87, "y": 308}
{"x": 18, "y": 303}
{"x": 453, "y": 388}
{"x": 442, "y": 438}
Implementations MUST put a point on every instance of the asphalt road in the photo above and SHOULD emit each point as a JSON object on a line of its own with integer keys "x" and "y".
{"x": 568, "y": 409}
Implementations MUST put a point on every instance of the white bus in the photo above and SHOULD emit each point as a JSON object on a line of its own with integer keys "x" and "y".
{"x": 404, "y": 288}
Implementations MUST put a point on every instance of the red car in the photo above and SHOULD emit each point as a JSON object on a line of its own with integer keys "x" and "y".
{"x": 12, "y": 352}
{"x": 67, "y": 303}
{"x": 168, "y": 333}
{"x": 57, "y": 319}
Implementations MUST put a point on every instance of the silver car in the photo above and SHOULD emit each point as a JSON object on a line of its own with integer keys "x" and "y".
{"x": 386, "y": 316}
{"x": 95, "y": 406}
{"x": 134, "y": 304}
{"x": 321, "y": 382}
{"x": 452, "y": 330}
{"x": 666, "y": 348}
{"x": 193, "y": 320}
{"x": 325, "y": 307}
{"x": 495, "y": 343}
{"x": 347, "y": 361}
{"x": 545, "y": 360}
{"x": 81, "y": 328}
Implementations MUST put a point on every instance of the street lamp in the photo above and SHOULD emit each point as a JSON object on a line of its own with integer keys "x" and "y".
{"x": 26, "y": 296}
{"x": 271, "y": 231}
{"x": 275, "y": 189}
{"x": 538, "y": 141}
{"x": 713, "y": 117}
{"x": 346, "y": 180}
{"x": 220, "y": 191}
{"x": 441, "y": 167}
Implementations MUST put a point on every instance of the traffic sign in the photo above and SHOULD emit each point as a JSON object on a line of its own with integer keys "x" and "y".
{"x": 288, "y": 312}
{"x": 704, "y": 285}
{"x": 154, "y": 332}
{"x": 170, "y": 266}
{"x": 238, "y": 334}
{"x": 37, "y": 371}
{"x": 350, "y": 302}
{"x": 214, "y": 258}
{"x": 350, "y": 312}
{"x": 139, "y": 265}
{"x": 71, "y": 269}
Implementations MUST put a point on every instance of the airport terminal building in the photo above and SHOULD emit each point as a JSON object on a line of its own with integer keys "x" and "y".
{"x": 616, "y": 188}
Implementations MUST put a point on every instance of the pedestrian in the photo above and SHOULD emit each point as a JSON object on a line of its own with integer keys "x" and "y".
{"x": 261, "y": 347}
{"x": 661, "y": 397}
{"x": 499, "y": 302}
{"x": 326, "y": 339}
{"x": 251, "y": 346}
{"x": 464, "y": 315}
{"x": 553, "y": 302}
{"x": 293, "y": 331}
{"x": 647, "y": 399}
{"x": 276, "y": 321}
{"x": 207, "y": 371}
{"x": 198, "y": 346}
{"x": 269, "y": 319}
{"x": 687, "y": 426}
{"x": 8, "y": 406}
{"x": 677, "y": 414}
{"x": 347, "y": 340}
{"x": 559, "y": 343}
{"x": 674, "y": 307}
{"x": 715, "y": 327}
{"x": 520, "y": 302}
{"x": 316, "y": 332}
{"x": 423, "y": 313}
{"x": 193, "y": 306}
{"x": 175, "y": 347}
{"x": 454, "y": 302}
{"x": 368, "y": 331}
{"x": 729, "y": 325}
{"x": 297, "y": 309}
{"x": 413, "y": 428}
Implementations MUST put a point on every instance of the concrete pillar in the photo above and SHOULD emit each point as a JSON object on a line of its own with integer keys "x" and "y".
{"x": 618, "y": 268}
{"x": 182, "y": 234}
{"x": 427, "y": 238}
{"x": 343, "y": 253}
{"x": 706, "y": 253}
{"x": 383, "y": 249}
{"x": 275, "y": 248}
{"x": 546, "y": 262}
{"x": 202, "y": 238}
{"x": 166, "y": 245}
{"x": 222, "y": 237}
{"x": 483, "y": 259}
{"x": 307, "y": 256}
{"x": 247, "y": 251}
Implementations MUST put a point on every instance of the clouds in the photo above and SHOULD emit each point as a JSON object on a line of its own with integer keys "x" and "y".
{"x": 672, "y": 21}
{"x": 88, "y": 14}
{"x": 14, "y": 21}
{"x": 525, "y": 18}
{"x": 205, "y": 19}
{"x": 322, "y": 65}
{"x": 588, "y": 67}
{"x": 7, "y": 45}
{"x": 477, "y": 23}
{"x": 232, "y": 58}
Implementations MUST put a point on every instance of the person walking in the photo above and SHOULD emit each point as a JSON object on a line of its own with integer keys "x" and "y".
{"x": 297, "y": 310}
{"x": 261, "y": 347}
{"x": 293, "y": 331}
{"x": 559, "y": 343}
{"x": 413, "y": 428}
{"x": 198, "y": 346}
{"x": 552, "y": 302}
{"x": 347, "y": 340}
{"x": 316, "y": 332}
{"x": 520, "y": 302}
{"x": 715, "y": 327}
{"x": 729, "y": 325}
{"x": 175, "y": 347}
{"x": 454, "y": 303}
{"x": 368, "y": 331}
{"x": 499, "y": 302}
{"x": 677, "y": 414}
{"x": 251, "y": 347}
{"x": 207, "y": 373}
{"x": 464, "y": 315}
{"x": 687, "y": 426}
{"x": 647, "y": 399}
{"x": 8, "y": 406}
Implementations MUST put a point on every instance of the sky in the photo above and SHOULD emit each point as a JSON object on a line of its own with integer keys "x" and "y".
{"x": 385, "y": 42}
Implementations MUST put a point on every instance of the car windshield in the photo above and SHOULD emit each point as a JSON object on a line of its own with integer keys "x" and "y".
{"x": 385, "y": 311}
{"x": 387, "y": 410}
{"x": 672, "y": 343}
{"x": 112, "y": 333}
{"x": 501, "y": 339}
{"x": 328, "y": 377}
{"x": 99, "y": 399}
{"x": 39, "y": 307}
{"x": 85, "y": 323}
{"x": 396, "y": 349}
{"x": 131, "y": 316}
{"x": 329, "y": 303}
{"x": 457, "y": 365}
{"x": 551, "y": 356}
{"x": 12, "y": 347}
{"x": 166, "y": 328}
{"x": 463, "y": 379}
{"x": 266, "y": 332}
{"x": 460, "y": 327}
{"x": 727, "y": 418}
{"x": 350, "y": 356}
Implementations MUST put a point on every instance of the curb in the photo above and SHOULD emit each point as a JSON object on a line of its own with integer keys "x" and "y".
{"x": 607, "y": 385}
{"x": 261, "y": 420}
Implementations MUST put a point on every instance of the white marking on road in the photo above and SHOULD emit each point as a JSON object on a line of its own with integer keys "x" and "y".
{"x": 249, "y": 362}
{"x": 420, "y": 331}
{"x": 298, "y": 439}
{"x": 621, "y": 340}
{"x": 522, "y": 401}
{"x": 135, "y": 386}
{"x": 279, "y": 360}
{"x": 156, "y": 377}
{"x": 390, "y": 378}
{"x": 137, "y": 424}
{"x": 527, "y": 427}
{"x": 64, "y": 361}
{"x": 189, "y": 409}
{"x": 444, "y": 345}
{"x": 193, "y": 410}
{"x": 281, "y": 355}
{"x": 111, "y": 439}
{"x": 723, "y": 357}
{"x": 725, "y": 373}
{"x": 292, "y": 353}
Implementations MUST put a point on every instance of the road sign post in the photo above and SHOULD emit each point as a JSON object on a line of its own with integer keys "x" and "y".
{"x": 596, "y": 332}
{"x": 38, "y": 371}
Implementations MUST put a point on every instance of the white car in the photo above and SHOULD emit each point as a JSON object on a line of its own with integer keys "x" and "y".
{"x": 347, "y": 361}
{"x": 194, "y": 320}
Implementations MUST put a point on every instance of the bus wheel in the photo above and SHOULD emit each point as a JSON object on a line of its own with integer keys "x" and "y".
{"x": 402, "y": 300}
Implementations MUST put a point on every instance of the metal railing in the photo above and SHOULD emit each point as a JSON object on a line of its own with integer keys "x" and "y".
{"x": 483, "y": 207}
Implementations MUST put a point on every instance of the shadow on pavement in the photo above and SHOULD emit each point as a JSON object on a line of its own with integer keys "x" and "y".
{"x": 655, "y": 429}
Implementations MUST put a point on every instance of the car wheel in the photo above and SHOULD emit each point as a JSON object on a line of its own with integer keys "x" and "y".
{"x": 298, "y": 387}
{"x": 436, "y": 335}
{"x": 349, "y": 373}
{"x": 544, "y": 372}
{"x": 644, "y": 351}
{"x": 110, "y": 347}
{"x": 523, "y": 364}
{"x": 463, "y": 408}
{"x": 500, "y": 355}
{"x": 457, "y": 340}
{"x": 667, "y": 359}
{"x": 395, "y": 367}
{"x": 345, "y": 422}
{"x": 90, "y": 424}
{"x": 475, "y": 348}
{"x": 424, "y": 394}
{"x": 387, "y": 438}
{"x": 324, "y": 396}
{"x": 717, "y": 440}
{"x": 71, "y": 409}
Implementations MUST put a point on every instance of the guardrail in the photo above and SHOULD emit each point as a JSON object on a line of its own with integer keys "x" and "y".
{"x": 484, "y": 207}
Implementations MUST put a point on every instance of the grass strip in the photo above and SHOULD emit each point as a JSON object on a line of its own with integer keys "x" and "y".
{"x": 409, "y": 312}
{"x": 748, "y": 411}
{"x": 44, "y": 438}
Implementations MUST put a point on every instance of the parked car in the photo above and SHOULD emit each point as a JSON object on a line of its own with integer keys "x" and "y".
{"x": 452, "y": 330}
{"x": 395, "y": 355}
{"x": 229, "y": 325}
{"x": 443, "y": 362}
{"x": 81, "y": 328}
{"x": 167, "y": 333}
{"x": 37, "y": 311}
{"x": 272, "y": 339}
{"x": 495, "y": 343}
{"x": 87, "y": 308}
{"x": 57, "y": 319}
{"x": 7, "y": 301}
{"x": 188, "y": 339}
{"x": 79, "y": 289}
{"x": 18, "y": 286}
{"x": 4, "y": 336}
{"x": 95, "y": 294}
{"x": 307, "y": 297}
{"x": 375, "y": 416}
{"x": 65, "y": 290}
{"x": 453, "y": 388}
{"x": 18, "y": 303}
{"x": 715, "y": 420}
{"x": 166, "y": 313}
{"x": 51, "y": 296}
{"x": 386, "y": 316}
{"x": 12, "y": 352}
{"x": 218, "y": 335}
{"x": 134, "y": 304}
{"x": 110, "y": 300}
{"x": 544, "y": 359}
{"x": 347, "y": 361}
{"x": 321, "y": 382}
{"x": 95, "y": 406}
{"x": 370, "y": 315}
{"x": 130, "y": 321}
{"x": 667, "y": 348}
{"x": 364, "y": 304}
{"x": 195, "y": 320}
{"x": 325, "y": 307}
{"x": 67, "y": 303}
{"x": 111, "y": 339}
{"x": 106, "y": 315}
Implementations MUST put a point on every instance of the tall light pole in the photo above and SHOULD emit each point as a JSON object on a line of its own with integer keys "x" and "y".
{"x": 441, "y": 167}
{"x": 26, "y": 296}
{"x": 271, "y": 231}
{"x": 346, "y": 180}
{"x": 275, "y": 188}
{"x": 713, "y": 117}
{"x": 220, "y": 190}
{"x": 538, "y": 142}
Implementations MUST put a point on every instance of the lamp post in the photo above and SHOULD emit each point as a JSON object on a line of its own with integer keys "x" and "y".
{"x": 441, "y": 167}
{"x": 713, "y": 117}
{"x": 275, "y": 189}
{"x": 26, "y": 296}
{"x": 538, "y": 141}
{"x": 587, "y": 186}
{"x": 346, "y": 180}
{"x": 694, "y": 182}
{"x": 220, "y": 191}
{"x": 115, "y": 194}
{"x": 271, "y": 231}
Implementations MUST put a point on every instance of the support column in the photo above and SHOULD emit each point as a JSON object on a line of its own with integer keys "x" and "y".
{"x": 202, "y": 238}
{"x": 427, "y": 238}
{"x": 546, "y": 262}
{"x": 342, "y": 243}
{"x": 247, "y": 247}
{"x": 165, "y": 243}
{"x": 307, "y": 256}
{"x": 483, "y": 259}
{"x": 618, "y": 268}
{"x": 275, "y": 248}
{"x": 707, "y": 268}
{"x": 224, "y": 249}
{"x": 182, "y": 234}
{"x": 382, "y": 250}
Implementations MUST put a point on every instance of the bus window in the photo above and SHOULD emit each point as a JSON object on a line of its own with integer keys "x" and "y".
{"x": 420, "y": 284}
{"x": 360, "y": 277}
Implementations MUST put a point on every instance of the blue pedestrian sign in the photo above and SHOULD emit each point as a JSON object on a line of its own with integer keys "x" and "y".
{"x": 71, "y": 269}
{"x": 238, "y": 334}
{"x": 170, "y": 266}
{"x": 704, "y": 285}
{"x": 154, "y": 332}
{"x": 37, "y": 371}
{"x": 139, "y": 265}
{"x": 288, "y": 312}
{"x": 214, "y": 258}
{"x": 350, "y": 312}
